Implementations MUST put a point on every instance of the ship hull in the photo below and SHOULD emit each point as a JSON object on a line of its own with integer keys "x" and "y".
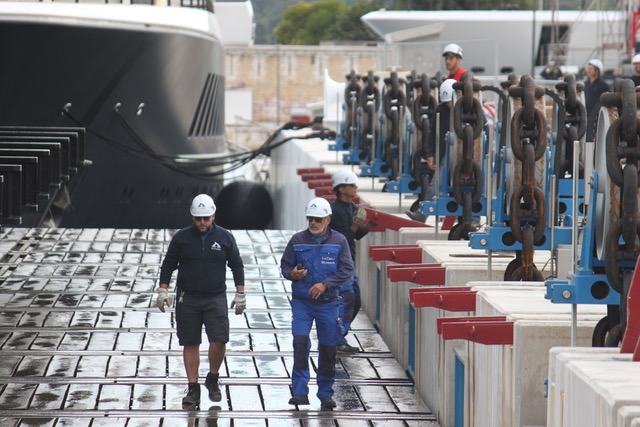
{"x": 146, "y": 95}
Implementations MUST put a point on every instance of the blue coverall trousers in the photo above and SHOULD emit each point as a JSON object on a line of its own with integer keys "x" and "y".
{"x": 326, "y": 318}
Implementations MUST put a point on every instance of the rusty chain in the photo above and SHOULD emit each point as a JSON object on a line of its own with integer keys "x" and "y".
{"x": 572, "y": 125}
{"x": 351, "y": 96}
{"x": 622, "y": 154}
{"x": 424, "y": 106}
{"x": 393, "y": 103}
{"x": 466, "y": 178}
{"x": 370, "y": 104}
{"x": 528, "y": 203}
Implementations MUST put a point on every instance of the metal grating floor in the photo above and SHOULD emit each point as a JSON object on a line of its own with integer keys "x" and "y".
{"x": 83, "y": 344}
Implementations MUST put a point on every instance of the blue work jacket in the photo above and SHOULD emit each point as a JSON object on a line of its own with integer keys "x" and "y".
{"x": 328, "y": 262}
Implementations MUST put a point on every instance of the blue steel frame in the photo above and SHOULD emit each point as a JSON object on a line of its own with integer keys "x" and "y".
{"x": 405, "y": 178}
{"x": 375, "y": 168}
{"x": 445, "y": 205}
{"x": 585, "y": 286}
{"x": 458, "y": 401}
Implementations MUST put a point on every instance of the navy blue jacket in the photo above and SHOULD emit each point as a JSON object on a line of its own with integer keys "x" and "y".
{"x": 592, "y": 92}
{"x": 202, "y": 265}
{"x": 341, "y": 221}
{"x": 328, "y": 262}
{"x": 445, "y": 123}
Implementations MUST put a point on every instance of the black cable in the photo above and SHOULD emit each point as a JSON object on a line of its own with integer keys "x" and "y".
{"x": 237, "y": 160}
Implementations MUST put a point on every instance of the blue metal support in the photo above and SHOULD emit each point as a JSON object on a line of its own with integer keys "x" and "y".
{"x": 405, "y": 182}
{"x": 378, "y": 167}
{"x": 585, "y": 286}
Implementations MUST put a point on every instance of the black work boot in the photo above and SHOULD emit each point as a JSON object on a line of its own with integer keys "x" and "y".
{"x": 192, "y": 399}
{"x": 327, "y": 403}
{"x": 211, "y": 383}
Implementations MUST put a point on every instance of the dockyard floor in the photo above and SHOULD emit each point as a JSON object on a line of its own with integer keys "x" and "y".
{"x": 83, "y": 344}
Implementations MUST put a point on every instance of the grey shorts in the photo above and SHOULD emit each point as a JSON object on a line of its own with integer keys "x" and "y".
{"x": 194, "y": 311}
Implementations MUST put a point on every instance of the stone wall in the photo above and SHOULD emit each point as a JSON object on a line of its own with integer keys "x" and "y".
{"x": 289, "y": 77}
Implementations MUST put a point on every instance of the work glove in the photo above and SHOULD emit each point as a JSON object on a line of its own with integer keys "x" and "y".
{"x": 164, "y": 299}
{"x": 240, "y": 302}
{"x": 360, "y": 216}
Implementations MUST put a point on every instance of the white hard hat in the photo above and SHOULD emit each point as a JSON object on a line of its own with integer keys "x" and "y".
{"x": 319, "y": 207}
{"x": 202, "y": 205}
{"x": 452, "y": 48}
{"x": 344, "y": 176}
{"x": 596, "y": 63}
{"x": 446, "y": 90}
{"x": 636, "y": 58}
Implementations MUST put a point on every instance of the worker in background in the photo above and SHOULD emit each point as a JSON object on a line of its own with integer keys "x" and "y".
{"x": 201, "y": 253}
{"x": 349, "y": 220}
{"x": 636, "y": 67}
{"x": 552, "y": 71}
{"x": 443, "y": 111}
{"x": 317, "y": 261}
{"x": 452, "y": 54}
{"x": 594, "y": 86}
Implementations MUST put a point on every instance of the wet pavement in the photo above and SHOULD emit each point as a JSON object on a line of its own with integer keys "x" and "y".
{"x": 83, "y": 344}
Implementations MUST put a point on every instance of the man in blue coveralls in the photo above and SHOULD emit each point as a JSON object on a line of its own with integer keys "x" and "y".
{"x": 318, "y": 261}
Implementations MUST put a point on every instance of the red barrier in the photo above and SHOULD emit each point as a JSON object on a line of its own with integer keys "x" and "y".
{"x": 631, "y": 338}
{"x": 496, "y": 331}
{"x": 448, "y": 222}
{"x": 449, "y": 299}
{"x": 309, "y": 170}
{"x": 421, "y": 274}
{"x": 315, "y": 175}
{"x": 392, "y": 222}
{"x": 325, "y": 191}
{"x": 401, "y": 254}
{"x": 313, "y": 183}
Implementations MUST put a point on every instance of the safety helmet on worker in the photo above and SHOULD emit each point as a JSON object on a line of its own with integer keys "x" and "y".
{"x": 452, "y": 48}
{"x": 596, "y": 63}
{"x": 636, "y": 58}
{"x": 344, "y": 177}
{"x": 446, "y": 90}
{"x": 318, "y": 207}
{"x": 202, "y": 205}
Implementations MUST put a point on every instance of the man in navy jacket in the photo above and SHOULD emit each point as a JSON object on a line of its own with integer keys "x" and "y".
{"x": 201, "y": 253}
{"x": 318, "y": 261}
{"x": 349, "y": 220}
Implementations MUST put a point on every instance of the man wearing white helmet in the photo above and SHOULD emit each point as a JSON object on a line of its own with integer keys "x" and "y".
{"x": 452, "y": 54}
{"x": 594, "y": 86}
{"x": 352, "y": 222}
{"x": 552, "y": 71}
{"x": 317, "y": 261}
{"x": 443, "y": 110}
{"x": 636, "y": 67}
{"x": 201, "y": 253}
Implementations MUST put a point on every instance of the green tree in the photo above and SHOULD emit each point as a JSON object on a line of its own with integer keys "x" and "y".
{"x": 349, "y": 26}
{"x": 309, "y": 23}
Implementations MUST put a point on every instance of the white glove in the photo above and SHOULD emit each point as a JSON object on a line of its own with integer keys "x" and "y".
{"x": 240, "y": 302}
{"x": 360, "y": 216}
{"x": 164, "y": 299}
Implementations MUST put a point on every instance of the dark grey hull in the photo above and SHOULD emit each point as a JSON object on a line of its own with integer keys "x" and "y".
{"x": 145, "y": 97}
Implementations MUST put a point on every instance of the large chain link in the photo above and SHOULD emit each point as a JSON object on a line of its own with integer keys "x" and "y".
{"x": 394, "y": 102}
{"x": 466, "y": 178}
{"x": 351, "y": 95}
{"x": 622, "y": 154}
{"x": 424, "y": 106}
{"x": 572, "y": 124}
{"x": 528, "y": 203}
{"x": 370, "y": 104}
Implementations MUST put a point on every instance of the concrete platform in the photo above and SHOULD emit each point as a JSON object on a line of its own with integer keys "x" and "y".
{"x": 83, "y": 344}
